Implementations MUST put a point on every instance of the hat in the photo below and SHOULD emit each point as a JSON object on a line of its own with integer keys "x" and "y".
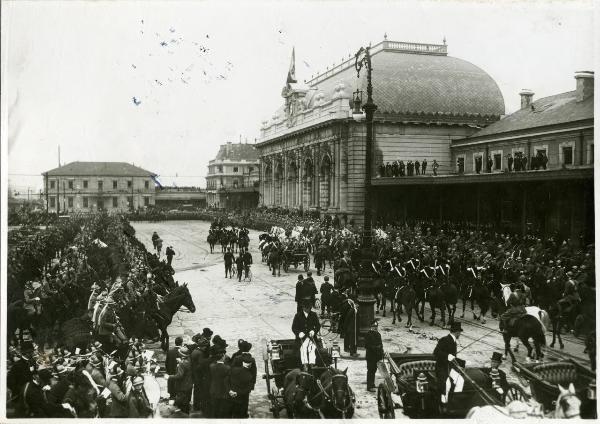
{"x": 497, "y": 356}
{"x": 246, "y": 357}
{"x": 245, "y": 346}
{"x": 375, "y": 322}
{"x": 217, "y": 350}
{"x": 95, "y": 361}
{"x": 455, "y": 327}
{"x": 116, "y": 370}
{"x": 300, "y": 277}
{"x": 138, "y": 380}
{"x": 326, "y": 278}
{"x": 309, "y": 273}
{"x": 184, "y": 352}
{"x": 218, "y": 341}
{"x": 207, "y": 332}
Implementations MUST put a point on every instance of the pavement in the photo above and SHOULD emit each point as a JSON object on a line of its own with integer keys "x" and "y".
{"x": 263, "y": 310}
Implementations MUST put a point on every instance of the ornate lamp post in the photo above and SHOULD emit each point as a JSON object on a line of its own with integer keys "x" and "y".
{"x": 366, "y": 298}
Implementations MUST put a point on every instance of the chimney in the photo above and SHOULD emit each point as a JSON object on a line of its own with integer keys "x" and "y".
{"x": 526, "y": 98}
{"x": 585, "y": 85}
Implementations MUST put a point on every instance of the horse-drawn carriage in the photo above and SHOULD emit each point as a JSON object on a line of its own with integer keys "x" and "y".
{"x": 296, "y": 257}
{"x": 545, "y": 378}
{"x": 412, "y": 377}
{"x": 319, "y": 392}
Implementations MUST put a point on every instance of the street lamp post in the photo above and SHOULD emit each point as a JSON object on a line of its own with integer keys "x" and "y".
{"x": 366, "y": 299}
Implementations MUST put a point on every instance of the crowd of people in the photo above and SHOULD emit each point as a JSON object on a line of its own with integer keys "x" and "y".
{"x": 400, "y": 169}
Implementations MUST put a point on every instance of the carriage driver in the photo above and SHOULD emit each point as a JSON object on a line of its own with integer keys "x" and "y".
{"x": 445, "y": 355}
{"x": 306, "y": 327}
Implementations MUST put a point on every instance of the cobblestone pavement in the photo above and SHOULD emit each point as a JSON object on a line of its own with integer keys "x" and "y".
{"x": 264, "y": 309}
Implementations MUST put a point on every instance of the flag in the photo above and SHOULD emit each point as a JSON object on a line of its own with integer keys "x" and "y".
{"x": 291, "y": 78}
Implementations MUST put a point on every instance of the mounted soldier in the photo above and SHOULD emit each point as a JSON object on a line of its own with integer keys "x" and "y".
{"x": 31, "y": 299}
{"x": 343, "y": 267}
{"x": 108, "y": 328}
{"x": 515, "y": 311}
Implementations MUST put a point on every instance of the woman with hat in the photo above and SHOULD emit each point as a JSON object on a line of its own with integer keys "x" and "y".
{"x": 445, "y": 354}
{"x": 139, "y": 406}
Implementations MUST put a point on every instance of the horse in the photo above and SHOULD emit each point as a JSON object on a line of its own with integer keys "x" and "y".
{"x": 435, "y": 296}
{"x": 476, "y": 292}
{"x": 339, "y": 398}
{"x": 17, "y": 318}
{"x": 450, "y": 293}
{"x": 274, "y": 260}
{"x": 212, "y": 239}
{"x": 524, "y": 328}
{"x": 168, "y": 307}
{"x": 404, "y": 296}
{"x": 302, "y": 395}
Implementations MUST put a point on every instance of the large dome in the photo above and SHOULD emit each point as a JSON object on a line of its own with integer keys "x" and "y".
{"x": 416, "y": 82}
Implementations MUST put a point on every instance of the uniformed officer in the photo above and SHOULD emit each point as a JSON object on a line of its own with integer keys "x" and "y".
{"x": 374, "y": 353}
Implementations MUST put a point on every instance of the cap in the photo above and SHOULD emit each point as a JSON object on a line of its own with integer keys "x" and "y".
{"x": 139, "y": 380}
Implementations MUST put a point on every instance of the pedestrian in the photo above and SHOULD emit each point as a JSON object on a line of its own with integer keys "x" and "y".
{"x": 139, "y": 406}
{"x": 239, "y": 383}
{"x": 417, "y": 166}
{"x": 374, "y": 353}
{"x": 171, "y": 364}
{"x": 445, "y": 354}
{"x": 228, "y": 258}
{"x": 155, "y": 237}
{"x": 159, "y": 244}
{"x": 219, "y": 395}
{"x": 326, "y": 289}
{"x": 239, "y": 264}
{"x": 298, "y": 296}
{"x": 435, "y": 167}
{"x": 402, "y": 168}
{"x": 247, "y": 262}
{"x": 170, "y": 253}
{"x": 349, "y": 326}
{"x": 183, "y": 382}
{"x": 309, "y": 288}
{"x": 119, "y": 407}
{"x": 510, "y": 161}
{"x": 201, "y": 376}
{"x": 424, "y": 167}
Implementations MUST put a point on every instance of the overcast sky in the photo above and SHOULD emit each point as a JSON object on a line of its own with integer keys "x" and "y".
{"x": 205, "y": 73}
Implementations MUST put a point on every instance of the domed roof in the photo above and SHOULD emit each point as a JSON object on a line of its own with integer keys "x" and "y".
{"x": 417, "y": 82}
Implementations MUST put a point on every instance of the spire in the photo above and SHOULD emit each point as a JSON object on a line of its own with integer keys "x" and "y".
{"x": 291, "y": 78}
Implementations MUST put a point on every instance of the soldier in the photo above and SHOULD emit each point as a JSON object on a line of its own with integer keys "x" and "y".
{"x": 170, "y": 253}
{"x": 424, "y": 167}
{"x": 417, "y": 166}
{"x": 515, "y": 311}
{"x": 388, "y": 169}
{"x": 402, "y": 168}
{"x": 374, "y": 353}
{"x": 239, "y": 264}
{"x": 395, "y": 169}
{"x": 247, "y": 262}
{"x": 31, "y": 300}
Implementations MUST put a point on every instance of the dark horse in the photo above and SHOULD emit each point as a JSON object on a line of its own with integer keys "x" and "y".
{"x": 302, "y": 395}
{"x": 404, "y": 296}
{"x": 168, "y": 307}
{"x": 339, "y": 398}
{"x": 476, "y": 291}
{"x": 274, "y": 260}
{"x": 212, "y": 239}
{"x": 525, "y": 328}
{"x": 435, "y": 297}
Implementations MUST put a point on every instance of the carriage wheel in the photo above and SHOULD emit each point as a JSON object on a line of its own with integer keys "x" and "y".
{"x": 385, "y": 404}
{"x": 514, "y": 392}
{"x": 325, "y": 327}
{"x": 267, "y": 376}
{"x": 306, "y": 263}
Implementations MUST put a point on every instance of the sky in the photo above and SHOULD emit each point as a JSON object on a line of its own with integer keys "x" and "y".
{"x": 162, "y": 84}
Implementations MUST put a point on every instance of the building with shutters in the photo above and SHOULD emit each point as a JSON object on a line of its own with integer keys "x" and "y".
{"x": 312, "y": 150}
{"x": 233, "y": 175}
{"x": 93, "y": 186}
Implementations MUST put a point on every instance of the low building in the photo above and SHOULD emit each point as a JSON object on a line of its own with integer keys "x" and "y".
{"x": 92, "y": 186}
{"x": 180, "y": 197}
{"x": 533, "y": 170}
{"x": 233, "y": 177}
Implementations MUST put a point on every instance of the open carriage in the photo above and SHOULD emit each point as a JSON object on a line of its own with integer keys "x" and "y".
{"x": 412, "y": 377}
{"x": 282, "y": 356}
{"x": 544, "y": 379}
{"x": 295, "y": 257}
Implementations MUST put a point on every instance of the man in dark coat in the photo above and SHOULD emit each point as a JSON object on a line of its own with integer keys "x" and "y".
{"x": 171, "y": 364}
{"x": 395, "y": 169}
{"x": 445, "y": 354}
{"x": 424, "y": 167}
{"x": 349, "y": 327}
{"x": 298, "y": 295}
{"x": 236, "y": 359}
{"x": 170, "y": 253}
{"x": 510, "y": 161}
{"x": 388, "y": 170}
{"x": 417, "y": 166}
{"x": 374, "y": 353}
{"x": 35, "y": 400}
{"x": 228, "y": 258}
{"x": 325, "y": 290}
{"x": 239, "y": 383}
{"x": 239, "y": 264}
{"x": 402, "y": 169}
{"x": 219, "y": 394}
{"x": 309, "y": 289}
{"x": 183, "y": 382}
{"x": 306, "y": 327}
{"x": 201, "y": 376}
{"x": 247, "y": 262}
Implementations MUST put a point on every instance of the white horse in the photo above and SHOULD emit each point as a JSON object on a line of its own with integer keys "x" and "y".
{"x": 567, "y": 404}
